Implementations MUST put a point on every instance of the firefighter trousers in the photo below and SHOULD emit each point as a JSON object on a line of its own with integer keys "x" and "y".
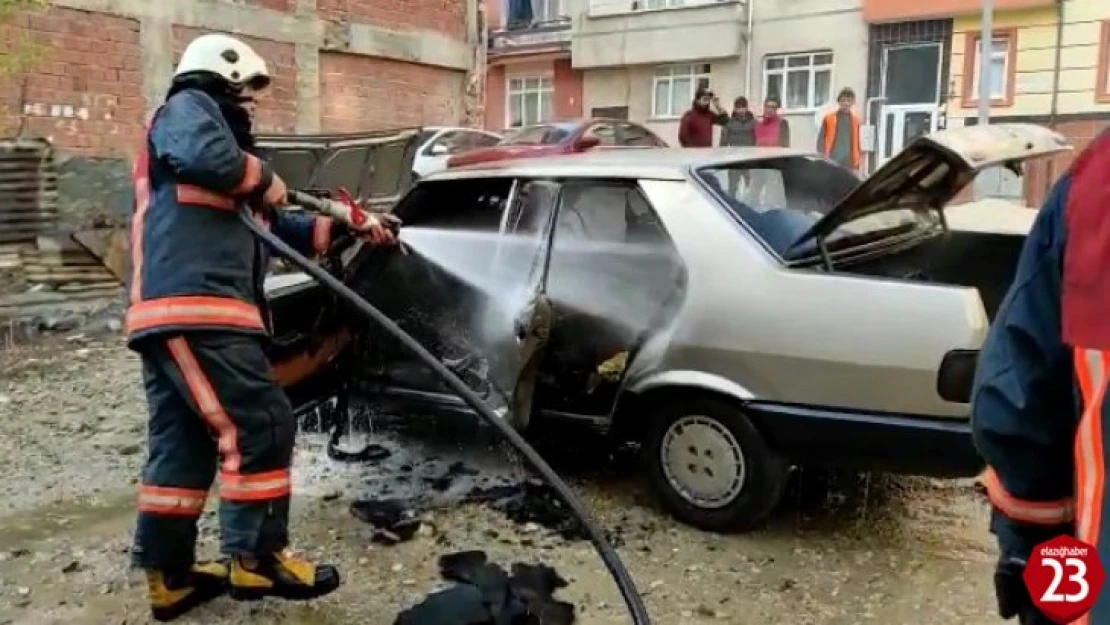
{"x": 215, "y": 411}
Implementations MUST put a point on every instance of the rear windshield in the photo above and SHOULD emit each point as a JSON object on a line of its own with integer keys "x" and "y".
{"x": 544, "y": 134}
{"x": 781, "y": 198}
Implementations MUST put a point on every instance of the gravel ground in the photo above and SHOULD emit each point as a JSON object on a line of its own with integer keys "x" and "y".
{"x": 868, "y": 550}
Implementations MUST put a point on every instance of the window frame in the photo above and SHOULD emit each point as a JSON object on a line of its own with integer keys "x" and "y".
{"x": 694, "y": 73}
{"x": 812, "y": 67}
{"x": 969, "y": 90}
{"x": 510, "y": 93}
{"x": 1102, "y": 89}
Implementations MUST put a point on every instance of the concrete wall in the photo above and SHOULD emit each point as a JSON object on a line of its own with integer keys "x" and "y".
{"x": 619, "y": 36}
{"x": 807, "y": 26}
{"x": 1083, "y": 58}
{"x": 339, "y": 64}
{"x": 631, "y": 86}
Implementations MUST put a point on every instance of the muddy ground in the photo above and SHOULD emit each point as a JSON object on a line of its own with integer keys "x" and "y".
{"x": 878, "y": 550}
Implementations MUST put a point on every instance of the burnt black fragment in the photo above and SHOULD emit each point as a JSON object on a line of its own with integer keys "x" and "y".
{"x": 531, "y": 502}
{"x": 486, "y": 595}
{"x": 444, "y": 482}
{"x": 393, "y": 522}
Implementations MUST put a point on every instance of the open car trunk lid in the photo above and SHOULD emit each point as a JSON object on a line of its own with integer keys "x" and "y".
{"x": 375, "y": 167}
{"x": 934, "y": 168}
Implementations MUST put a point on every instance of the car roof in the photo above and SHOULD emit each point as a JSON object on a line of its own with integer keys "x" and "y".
{"x": 652, "y": 163}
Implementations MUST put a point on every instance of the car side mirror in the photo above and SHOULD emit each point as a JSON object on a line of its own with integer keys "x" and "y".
{"x": 585, "y": 143}
{"x": 439, "y": 149}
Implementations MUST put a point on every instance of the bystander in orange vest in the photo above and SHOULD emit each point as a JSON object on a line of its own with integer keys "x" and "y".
{"x": 839, "y": 135}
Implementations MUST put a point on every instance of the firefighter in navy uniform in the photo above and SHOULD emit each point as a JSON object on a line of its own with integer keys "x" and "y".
{"x": 197, "y": 316}
{"x": 1040, "y": 389}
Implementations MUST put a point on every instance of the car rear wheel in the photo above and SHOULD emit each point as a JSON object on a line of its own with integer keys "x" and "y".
{"x": 710, "y": 466}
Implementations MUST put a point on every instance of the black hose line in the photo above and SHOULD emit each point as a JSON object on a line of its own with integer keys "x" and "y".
{"x": 604, "y": 549}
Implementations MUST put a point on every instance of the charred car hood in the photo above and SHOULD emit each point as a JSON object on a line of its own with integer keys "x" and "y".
{"x": 932, "y": 170}
{"x": 375, "y": 167}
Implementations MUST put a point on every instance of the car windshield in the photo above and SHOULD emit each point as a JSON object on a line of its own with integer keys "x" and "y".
{"x": 543, "y": 134}
{"x": 782, "y": 198}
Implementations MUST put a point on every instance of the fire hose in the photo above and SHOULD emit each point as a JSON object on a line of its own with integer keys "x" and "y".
{"x": 604, "y": 549}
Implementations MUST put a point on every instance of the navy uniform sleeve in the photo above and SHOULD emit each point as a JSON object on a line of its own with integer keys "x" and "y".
{"x": 310, "y": 235}
{"x": 1023, "y": 404}
{"x": 190, "y": 136}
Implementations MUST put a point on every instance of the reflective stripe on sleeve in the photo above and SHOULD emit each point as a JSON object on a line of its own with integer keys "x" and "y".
{"x": 321, "y": 234}
{"x": 192, "y": 195}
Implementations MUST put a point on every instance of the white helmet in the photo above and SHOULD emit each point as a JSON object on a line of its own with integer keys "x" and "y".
{"x": 226, "y": 56}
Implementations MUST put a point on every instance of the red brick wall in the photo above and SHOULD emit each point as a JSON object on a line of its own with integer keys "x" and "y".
{"x": 277, "y": 5}
{"x": 444, "y": 16}
{"x": 85, "y": 90}
{"x": 359, "y": 93}
{"x": 277, "y": 106}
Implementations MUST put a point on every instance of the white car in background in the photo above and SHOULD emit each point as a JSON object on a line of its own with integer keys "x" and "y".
{"x": 437, "y": 143}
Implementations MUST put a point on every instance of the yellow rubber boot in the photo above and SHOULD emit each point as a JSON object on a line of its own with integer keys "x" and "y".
{"x": 282, "y": 575}
{"x": 172, "y": 595}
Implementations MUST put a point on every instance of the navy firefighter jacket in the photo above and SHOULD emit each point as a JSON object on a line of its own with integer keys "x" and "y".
{"x": 1024, "y": 408}
{"x": 194, "y": 264}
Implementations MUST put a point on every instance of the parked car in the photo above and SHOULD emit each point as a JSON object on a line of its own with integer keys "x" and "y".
{"x": 567, "y": 137}
{"x": 834, "y": 325}
{"x": 437, "y": 144}
{"x": 805, "y": 320}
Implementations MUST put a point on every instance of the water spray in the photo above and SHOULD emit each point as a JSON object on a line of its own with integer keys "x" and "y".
{"x": 605, "y": 550}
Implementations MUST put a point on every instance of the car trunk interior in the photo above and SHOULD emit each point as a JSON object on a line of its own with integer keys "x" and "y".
{"x": 985, "y": 261}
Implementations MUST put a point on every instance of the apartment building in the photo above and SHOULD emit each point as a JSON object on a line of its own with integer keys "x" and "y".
{"x": 1050, "y": 64}
{"x": 529, "y": 77}
{"x": 644, "y": 59}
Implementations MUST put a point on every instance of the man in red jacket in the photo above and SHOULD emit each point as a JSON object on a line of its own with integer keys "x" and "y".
{"x": 695, "y": 130}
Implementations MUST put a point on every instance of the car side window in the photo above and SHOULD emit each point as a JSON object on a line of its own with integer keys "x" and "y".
{"x": 609, "y": 243}
{"x": 606, "y": 134}
{"x": 483, "y": 140}
{"x": 444, "y": 144}
{"x": 637, "y": 136}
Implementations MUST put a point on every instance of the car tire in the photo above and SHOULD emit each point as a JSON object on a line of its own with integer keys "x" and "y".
{"x": 710, "y": 466}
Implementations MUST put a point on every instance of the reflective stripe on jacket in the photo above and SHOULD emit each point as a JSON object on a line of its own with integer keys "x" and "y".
{"x": 828, "y": 132}
{"x": 194, "y": 265}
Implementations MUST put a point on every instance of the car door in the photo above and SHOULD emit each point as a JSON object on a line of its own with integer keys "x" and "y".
{"x": 518, "y": 328}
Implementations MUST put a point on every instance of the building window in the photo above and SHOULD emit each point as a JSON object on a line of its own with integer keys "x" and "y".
{"x": 673, "y": 88}
{"x": 1102, "y": 93}
{"x": 646, "y": 5}
{"x": 531, "y": 101}
{"x": 800, "y": 82}
{"x": 547, "y": 10}
{"x": 1003, "y": 54}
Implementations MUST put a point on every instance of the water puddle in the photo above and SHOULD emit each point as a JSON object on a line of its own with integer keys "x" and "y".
{"x": 62, "y": 518}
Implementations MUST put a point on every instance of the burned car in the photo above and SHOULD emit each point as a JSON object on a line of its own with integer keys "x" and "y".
{"x": 806, "y": 319}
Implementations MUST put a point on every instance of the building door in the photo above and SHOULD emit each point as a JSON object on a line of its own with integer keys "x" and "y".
{"x": 901, "y": 124}
{"x": 911, "y": 92}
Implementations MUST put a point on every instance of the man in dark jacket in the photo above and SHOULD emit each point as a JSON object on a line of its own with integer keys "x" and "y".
{"x": 695, "y": 129}
{"x": 1039, "y": 402}
{"x": 198, "y": 319}
{"x": 738, "y": 131}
